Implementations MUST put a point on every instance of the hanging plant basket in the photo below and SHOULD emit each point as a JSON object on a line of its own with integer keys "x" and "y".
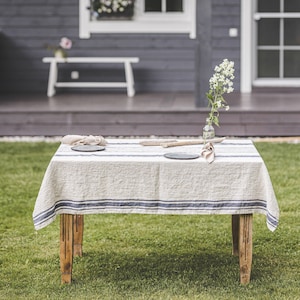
{"x": 112, "y": 9}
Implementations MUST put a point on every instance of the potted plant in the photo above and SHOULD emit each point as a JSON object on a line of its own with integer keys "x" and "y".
{"x": 60, "y": 51}
{"x": 112, "y": 9}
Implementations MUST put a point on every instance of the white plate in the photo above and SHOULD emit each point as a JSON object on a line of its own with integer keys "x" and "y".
{"x": 181, "y": 155}
{"x": 87, "y": 148}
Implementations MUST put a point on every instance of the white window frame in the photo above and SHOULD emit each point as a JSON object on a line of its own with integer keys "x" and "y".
{"x": 248, "y": 50}
{"x": 246, "y": 46}
{"x": 149, "y": 22}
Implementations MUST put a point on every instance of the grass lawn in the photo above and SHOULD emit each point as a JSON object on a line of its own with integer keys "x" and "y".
{"x": 145, "y": 256}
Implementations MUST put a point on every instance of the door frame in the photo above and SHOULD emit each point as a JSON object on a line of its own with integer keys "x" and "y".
{"x": 248, "y": 52}
{"x": 246, "y": 46}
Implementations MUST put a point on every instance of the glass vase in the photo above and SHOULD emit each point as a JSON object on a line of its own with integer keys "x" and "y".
{"x": 60, "y": 53}
{"x": 208, "y": 131}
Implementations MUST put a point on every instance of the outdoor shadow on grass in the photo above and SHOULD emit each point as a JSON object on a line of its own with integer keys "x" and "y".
{"x": 155, "y": 271}
{"x": 218, "y": 269}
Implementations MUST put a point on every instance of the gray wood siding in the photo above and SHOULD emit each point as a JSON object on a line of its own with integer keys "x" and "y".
{"x": 226, "y": 15}
{"x": 168, "y": 62}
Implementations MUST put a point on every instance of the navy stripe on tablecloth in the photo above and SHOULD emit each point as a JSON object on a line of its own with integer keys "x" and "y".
{"x": 144, "y": 155}
{"x": 185, "y": 206}
{"x": 226, "y": 143}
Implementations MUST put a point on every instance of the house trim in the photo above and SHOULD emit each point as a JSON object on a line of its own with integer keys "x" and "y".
{"x": 246, "y": 46}
{"x": 175, "y": 23}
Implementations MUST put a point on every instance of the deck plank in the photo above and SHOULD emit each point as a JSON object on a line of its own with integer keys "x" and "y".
{"x": 114, "y": 114}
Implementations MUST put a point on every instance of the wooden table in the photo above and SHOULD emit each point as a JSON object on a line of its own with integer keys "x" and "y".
{"x": 142, "y": 180}
{"x": 126, "y": 61}
{"x": 71, "y": 238}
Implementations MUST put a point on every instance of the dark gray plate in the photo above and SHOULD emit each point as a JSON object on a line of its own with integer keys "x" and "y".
{"x": 181, "y": 155}
{"x": 87, "y": 148}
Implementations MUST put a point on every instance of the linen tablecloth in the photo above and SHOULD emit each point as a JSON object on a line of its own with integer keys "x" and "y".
{"x": 130, "y": 178}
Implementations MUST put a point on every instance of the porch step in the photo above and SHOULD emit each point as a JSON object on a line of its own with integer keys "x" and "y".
{"x": 145, "y": 123}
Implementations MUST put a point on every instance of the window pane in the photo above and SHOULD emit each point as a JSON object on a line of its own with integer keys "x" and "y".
{"x": 268, "y": 5}
{"x": 152, "y": 5}
{"x": 268, "y": 32}
{"x": 268, "y": 63}
{"x": 174, "y": 5}
{"x": 292, "y": 32}
{"x": 292, "y": 6}
{"x": 292, "y": 64}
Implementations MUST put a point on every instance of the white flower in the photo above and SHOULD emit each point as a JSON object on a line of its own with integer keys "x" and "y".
{"x": 229, "y": 90}
{"x": 219, "y": 84}
{"x": 219, "y": 103}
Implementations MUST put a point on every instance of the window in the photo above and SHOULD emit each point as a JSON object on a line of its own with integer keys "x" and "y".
{"x": 163, "y": 5}
{"x": 139, "y": 16}
{"x": 277, "y": 40}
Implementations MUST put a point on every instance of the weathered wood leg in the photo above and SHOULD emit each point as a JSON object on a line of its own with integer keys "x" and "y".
{"x": 245, "y": 247}
{"x": 66, "y": 247}
{"x": 78, "y": 226}
{"x": 235, "y": 226}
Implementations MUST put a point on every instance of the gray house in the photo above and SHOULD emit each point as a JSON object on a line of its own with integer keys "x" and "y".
{"x": 178, "y": 42}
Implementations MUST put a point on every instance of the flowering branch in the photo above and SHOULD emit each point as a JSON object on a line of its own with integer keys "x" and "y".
{"x": 219, "y": 84}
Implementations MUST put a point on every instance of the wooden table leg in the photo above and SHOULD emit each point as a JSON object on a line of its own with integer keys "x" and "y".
{"x": 66, "y": 247}
{"x": 245, "y": 247}
{"x": 235, "y": 227}
{"x": 78, "y": 226}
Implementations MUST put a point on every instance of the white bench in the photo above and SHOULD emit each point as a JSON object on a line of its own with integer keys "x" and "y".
{"x": 53, "y": 73}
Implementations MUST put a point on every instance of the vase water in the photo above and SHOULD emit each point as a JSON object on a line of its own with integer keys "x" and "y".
{"x": 208, "y": 131}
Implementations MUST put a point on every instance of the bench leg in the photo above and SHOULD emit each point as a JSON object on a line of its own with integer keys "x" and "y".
{"x": 66, "y": 247}
{"x": 129, "y": 79}
{"x": 52, "y": 79}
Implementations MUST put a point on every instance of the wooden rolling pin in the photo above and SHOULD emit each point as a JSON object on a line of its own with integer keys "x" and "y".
{"x": 192, "y": 142}
{"x": 174, "y": 143}
{"x": 156, "y": 142}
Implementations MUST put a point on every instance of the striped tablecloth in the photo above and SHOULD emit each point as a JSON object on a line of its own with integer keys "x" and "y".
{"x": 130, "y": 178}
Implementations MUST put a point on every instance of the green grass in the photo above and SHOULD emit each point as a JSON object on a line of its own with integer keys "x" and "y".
{"x": 144, "y": 256}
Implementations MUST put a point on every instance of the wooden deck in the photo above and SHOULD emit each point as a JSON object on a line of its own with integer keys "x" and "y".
{"x": 114, "y": 114}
